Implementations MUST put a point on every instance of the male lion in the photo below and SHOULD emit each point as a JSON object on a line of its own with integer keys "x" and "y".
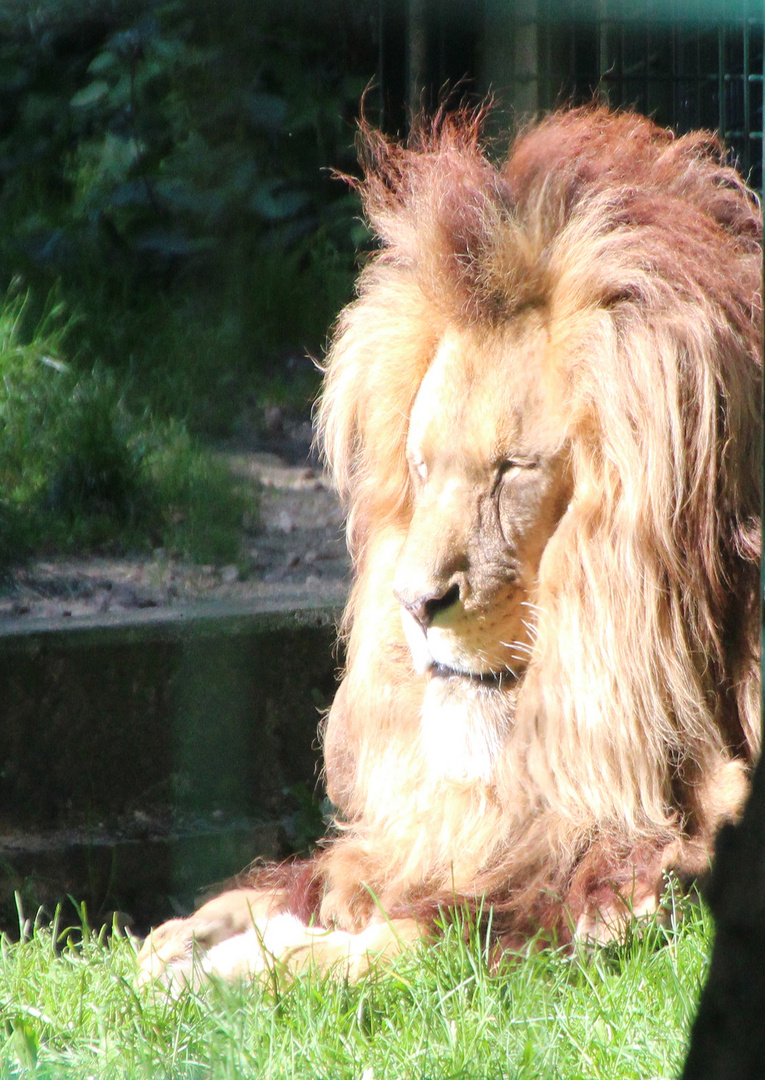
{"x": 543, "y": 412}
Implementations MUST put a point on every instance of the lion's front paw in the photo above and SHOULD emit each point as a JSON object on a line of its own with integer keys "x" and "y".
{"x": 220, "y": 938}
{"x": 167, "y": 955}
{"x": 607, "y": 920}
{"x": 609, "y": 894}
{"x": 608, "y": 911}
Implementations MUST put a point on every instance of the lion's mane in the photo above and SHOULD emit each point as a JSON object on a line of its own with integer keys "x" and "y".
{"x": 631, "y": 732}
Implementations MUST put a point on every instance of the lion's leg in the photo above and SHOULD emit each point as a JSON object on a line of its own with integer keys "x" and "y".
{"x": 617, "y": 883}
{"x": 613, "y": 885}
{"x": 285, "y": 947}
{"x": 246, "y": 933}
{"x": 609, "y": 911}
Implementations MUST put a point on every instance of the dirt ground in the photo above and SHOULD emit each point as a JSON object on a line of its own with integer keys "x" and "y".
{"x": 299, "y": 540}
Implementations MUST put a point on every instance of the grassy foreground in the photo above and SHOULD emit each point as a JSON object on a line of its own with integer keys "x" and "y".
{"x": 619, "y": 1013}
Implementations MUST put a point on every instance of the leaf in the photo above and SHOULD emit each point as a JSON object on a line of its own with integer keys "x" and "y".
{"x": 172, "y": 50}
{"x": 105, "y": 61}
{"x": 118, "y": 155}
{"x": 267, "y": 112}
{"x": 170, "y": 243}
{"x": 53, "y": 248}
{"x": 285, "y": 235}
{"x": 275, "y": 205}
{"x": 90, "y": 95}
{"x": 131, "y": 193}
{"x": 180, "y": 196}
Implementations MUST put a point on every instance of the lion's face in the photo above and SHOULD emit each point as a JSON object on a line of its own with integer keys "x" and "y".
{"x": 488, "y": 455}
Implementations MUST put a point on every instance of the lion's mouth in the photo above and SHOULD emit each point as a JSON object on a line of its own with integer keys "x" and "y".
{"x": 481, "y": 678}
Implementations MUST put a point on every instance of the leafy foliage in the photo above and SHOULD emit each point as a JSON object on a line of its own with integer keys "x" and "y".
{"x": 159, "y": 155}
{"x": 164, "y": 175}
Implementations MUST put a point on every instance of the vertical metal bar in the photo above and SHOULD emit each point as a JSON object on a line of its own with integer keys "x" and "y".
{"x": 646, "y": 64}
{"x": 545, "y": 23}
{"x": 416, "y": 55}
{"x": 602, "y": 42}
{"x": 674, "y": 91}
{"x": 699, "y": 76}
{"x": 721, "y": 80}
{"x": 381, "y": 59}
{"x": 620, "y": 67}
{"x": 747, "y": 163}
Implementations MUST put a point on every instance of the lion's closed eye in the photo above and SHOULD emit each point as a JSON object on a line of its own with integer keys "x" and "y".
{"x": 512, "y": 468}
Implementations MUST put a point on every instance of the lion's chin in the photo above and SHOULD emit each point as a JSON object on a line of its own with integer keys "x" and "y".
{"x": 466, "y": 719}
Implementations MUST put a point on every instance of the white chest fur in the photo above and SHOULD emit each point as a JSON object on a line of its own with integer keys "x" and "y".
{"x": 464, "y": 727}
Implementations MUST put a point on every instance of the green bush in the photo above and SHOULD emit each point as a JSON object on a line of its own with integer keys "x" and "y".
{"x": 78, "y": 471}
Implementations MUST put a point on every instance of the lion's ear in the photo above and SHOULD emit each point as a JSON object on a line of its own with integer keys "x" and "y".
{"x": 438, "y": 207}
{"x": 399, "y": 179}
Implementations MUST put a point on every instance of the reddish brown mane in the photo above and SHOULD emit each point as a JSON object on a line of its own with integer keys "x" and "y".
{"x": 543, "y": 410}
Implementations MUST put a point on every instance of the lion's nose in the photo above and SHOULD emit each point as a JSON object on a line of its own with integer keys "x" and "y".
{"x": 425, "y": 608}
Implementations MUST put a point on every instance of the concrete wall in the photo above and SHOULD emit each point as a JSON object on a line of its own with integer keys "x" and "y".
{"x": 144, "y": 757}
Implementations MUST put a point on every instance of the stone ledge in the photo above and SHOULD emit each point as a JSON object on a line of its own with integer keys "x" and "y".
{"x": 286, "y": 603}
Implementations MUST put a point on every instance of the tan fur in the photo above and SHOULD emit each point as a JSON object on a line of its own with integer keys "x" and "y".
{"x": 542, "y": 412}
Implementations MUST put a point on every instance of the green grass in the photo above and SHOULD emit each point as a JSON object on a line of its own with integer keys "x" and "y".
{"x": 618, "y": 1013}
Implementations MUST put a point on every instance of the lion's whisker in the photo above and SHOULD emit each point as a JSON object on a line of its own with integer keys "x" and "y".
{"x": 524, "y": 646}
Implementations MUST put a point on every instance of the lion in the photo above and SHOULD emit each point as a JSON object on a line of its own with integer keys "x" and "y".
{"x": 543, "y": 413}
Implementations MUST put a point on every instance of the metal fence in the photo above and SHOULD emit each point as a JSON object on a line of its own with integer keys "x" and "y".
{"x": 687, "y": 72}
{"x": 687, "y": 63}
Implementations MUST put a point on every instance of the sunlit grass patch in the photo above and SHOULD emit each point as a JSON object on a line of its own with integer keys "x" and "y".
{"x": 438, "y": 1012}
